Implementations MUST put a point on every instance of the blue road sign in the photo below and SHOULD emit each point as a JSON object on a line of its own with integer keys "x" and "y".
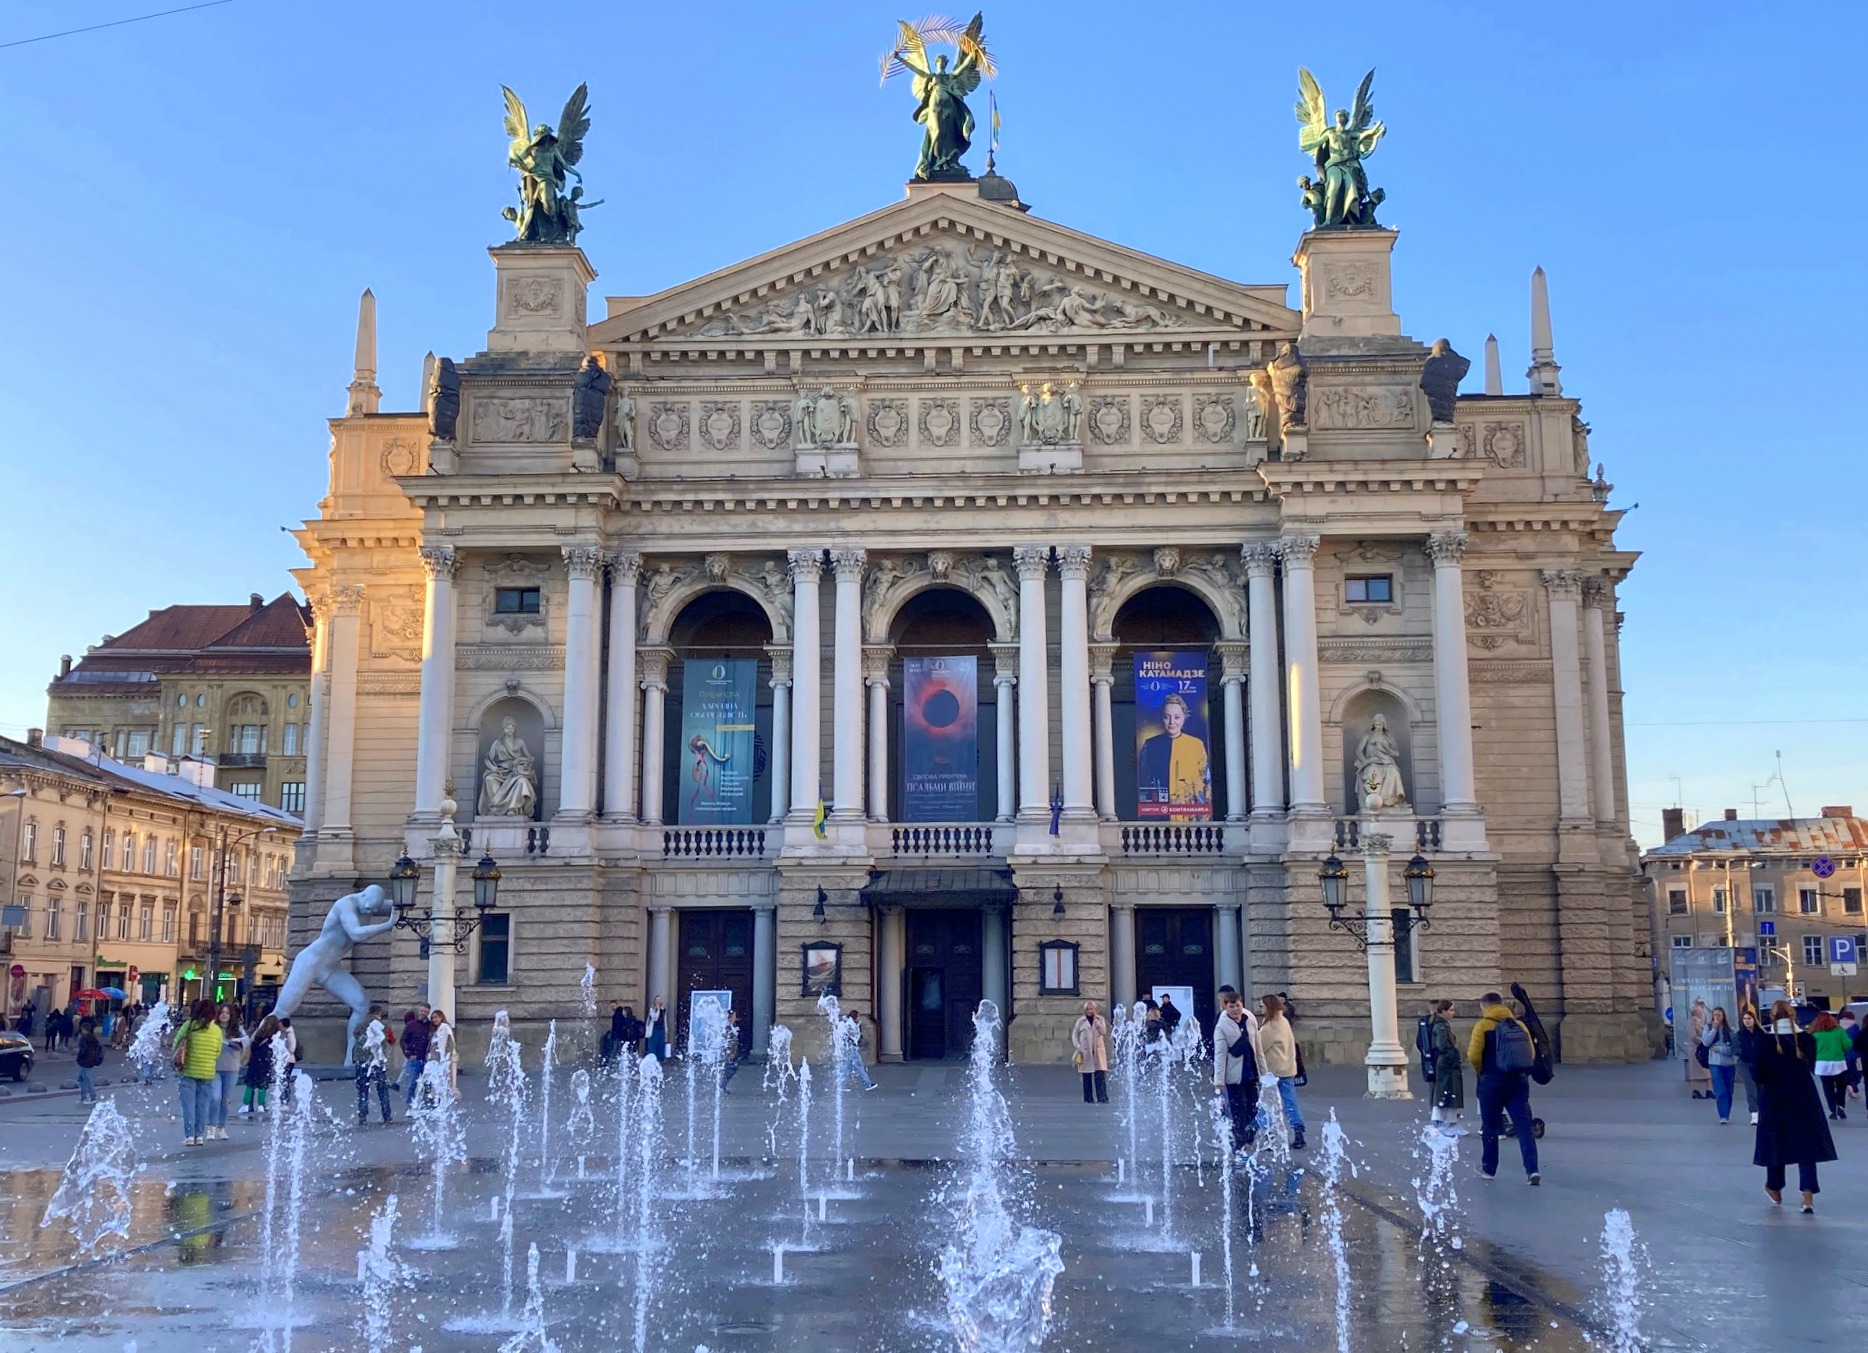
{"x": 1823, "y": 867}
{"x": 1842, "y": 949}
{"x": 1767, "y": 929}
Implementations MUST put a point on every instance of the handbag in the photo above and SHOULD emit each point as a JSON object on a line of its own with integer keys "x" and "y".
{"x": 181, "y": 1052}
{"x": 1702, "y": 1055}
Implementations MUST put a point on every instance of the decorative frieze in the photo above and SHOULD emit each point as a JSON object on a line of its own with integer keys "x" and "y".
{"x": 1335, "y": 408}
{"x": 508, "y": 658}
{"x": 520, "y": 420}
{"x": 1374, "y": 650}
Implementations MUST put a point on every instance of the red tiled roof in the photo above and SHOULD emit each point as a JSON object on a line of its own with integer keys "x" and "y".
{"x": 280, "y": 623}
{"x": 269, "y": 638}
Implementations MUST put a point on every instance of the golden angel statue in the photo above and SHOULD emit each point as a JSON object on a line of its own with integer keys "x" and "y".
{"x": 546, "y": 214}
{"x": 940, "y": 92}
{"x": 1341, "y": 195}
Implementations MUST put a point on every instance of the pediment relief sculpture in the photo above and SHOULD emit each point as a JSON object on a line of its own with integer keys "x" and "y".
{"x": 522, "y": 419}
{"x": 1353, "y": 408}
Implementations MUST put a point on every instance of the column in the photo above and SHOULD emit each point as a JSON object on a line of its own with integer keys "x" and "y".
{"x": 1596, "y": 602}
{"x": 437, "y": 701}
{"x": 577, "y": 765}
{"x": 1122, "y": 954}
{"x": 1226, "y": 923}
{"x": 876, "y": 678}
{"x": 447, "y": 848}
{"x": 1565, "y": 589}
{"x": 1386, "y": 1062}
{"x": 1261, "y": 563}
{"x": 660, "y": 947}
{"x": 1102, "y": 681}
{"x": 653, "y": 664}
{"x": 1232, "y": 674}
{"x": 992, "y": 969}
{"x": 1004, "y": 682}
{"x": 1034, "y": 701}
{"x": 318, "y": 698}
{"x": 341, "y": 723}
{"x": 847, "y": 678}
{"x": 1073, "y": 662}
{"x": 894, "y": 956}
{"x": 764, "y": 973}
{"x": 619, "y": 728}
{"x": 1300, "y": 675}
{"x": 781, "y": 730}
{"x": 1452, "y": 694}
{"x": 807, "y": 567}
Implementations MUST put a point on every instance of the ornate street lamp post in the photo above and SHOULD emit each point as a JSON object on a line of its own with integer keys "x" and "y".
{"x": 221, "y": 903}
{"x": 443, "y": 928}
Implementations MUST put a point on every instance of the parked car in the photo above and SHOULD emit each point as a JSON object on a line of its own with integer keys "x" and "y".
{"x": 15, "y": 1056}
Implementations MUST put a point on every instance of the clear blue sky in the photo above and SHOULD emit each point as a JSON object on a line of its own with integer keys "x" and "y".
{"x": 197, "y": 200}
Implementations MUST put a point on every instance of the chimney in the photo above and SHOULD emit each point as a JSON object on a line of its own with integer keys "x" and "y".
{"x": 155, "y": 763}
{"x": 1672, "y": 823}
{"x": 255, "y": 601}
{"x": 64, "y": 664}
{"x": 1731, "y": 814}
{"x": 1838, "y": 810}
{"x": 35, "y": 737}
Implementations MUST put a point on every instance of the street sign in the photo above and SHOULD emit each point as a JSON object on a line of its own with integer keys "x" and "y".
{"x": 1841, "y": 969}
{"x": 1767, "y": 929}
{"x": 1842, "y": 950}
{"x": 1824, "y": 867}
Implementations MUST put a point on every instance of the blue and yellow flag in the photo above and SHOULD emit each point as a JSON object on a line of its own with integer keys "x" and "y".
{"x": 817, "y": 820}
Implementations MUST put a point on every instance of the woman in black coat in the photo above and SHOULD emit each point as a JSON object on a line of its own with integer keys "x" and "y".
{"x": 1792, "y": 1129}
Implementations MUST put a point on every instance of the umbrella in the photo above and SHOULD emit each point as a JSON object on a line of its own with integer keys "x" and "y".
{"x": 115, "y": 993}
{"x": 88, "y": 994}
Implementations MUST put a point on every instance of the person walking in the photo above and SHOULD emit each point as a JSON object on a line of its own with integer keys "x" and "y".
{"x": 415, "y": 1035}
{"x": 1832, "y": 1062}
{"x": 853, "y": 1064}
{"x": 1089, "y": 1051}
{"x": 1449, "y": 1077}
{"x": 226, "y": 1068}
{"x": 1745, "y": 1045}
{"x": 197, "y": 1047}
{"x": 1502, "y": 1052}
{"x": 1698, "y": 1073}
{"x": 1853, "y": 1029}
{"x": 261, "y": 1059}
{"x": 1235, "y": 1066}
{"x": 1151, "y": 1020}
{"x": 1721, "y": 1060}
{"x": 90, "y": 1054}
{"x": 1277, "y": 1044}
{"x": 291, "y": 1061}
{"x": 657, "y": 1034}
{"x": 369, "y": 1060}
{"x": 729, "y": 1050}
{"x": 441, "y": 1052}
{"x": 51, "y": 1029}
{"x": 1170, "y": 1016}
{"x": 1791, "y": 1128}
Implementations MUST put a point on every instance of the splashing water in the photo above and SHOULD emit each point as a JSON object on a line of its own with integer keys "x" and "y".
{"x": 1163, "y": 1056}
{"x": 94, "y": 1194}
{"x": 1127, "y": 1040}
{"x": 1335, "y": 1150}
{"x": 587, "y": 993}
{"x": 648, "y": 1238}
{"x": 149, "y": 1050}
{"x": 544, "y": 1101}
{"x": 706, "y": 1049}
{"x": 777, "y": 1076}
{"x": 581, "y": 1126}
{"x": 628, "y": 1072}
{"x": 506, "y": 1087}
{"x": 998, "y": 1274}
{"x": 531, "y": 1337}
{"x": 1274, "y": 1129}
{"x": 1222, "y": 1141}
{"x": 1435, "y": 1190}
{"x": 285, "y": 1199}
{"x": 382, "y": 1275}
{"x": 440, "y": 1135}
{"x": 1621, "y": 1275}
{"x": 804, "y": 1132}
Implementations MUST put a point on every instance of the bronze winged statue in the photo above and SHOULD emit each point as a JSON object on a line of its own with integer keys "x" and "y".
{"x": 1341, "y": 195}
{"x": 940, "y": 91}
{"x": 546, "y": 159}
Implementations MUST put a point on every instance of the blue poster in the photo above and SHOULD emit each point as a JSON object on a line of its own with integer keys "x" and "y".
{"x": 1173, "y": 771}
{"x": 940, "y": 739}
{"x": 718, "y": 701}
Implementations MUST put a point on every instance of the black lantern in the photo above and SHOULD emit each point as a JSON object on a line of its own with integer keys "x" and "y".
{"x": 1333, "y": 876}
{"x": 1057, "y": 901}
{"x": 403, "y": 876}
{"x": 485, "y": 883}
{"x": 1419, "y": 876}
{"x": 818, "y": 910}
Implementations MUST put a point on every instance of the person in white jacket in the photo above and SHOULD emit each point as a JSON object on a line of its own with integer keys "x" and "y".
{"x": 1236, "y": 1065}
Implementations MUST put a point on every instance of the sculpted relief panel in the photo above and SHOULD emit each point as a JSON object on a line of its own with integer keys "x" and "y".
{"x": 1343, "y": 408}
{"x": 529, "y": 419}
{"x": 1496, "y": 615}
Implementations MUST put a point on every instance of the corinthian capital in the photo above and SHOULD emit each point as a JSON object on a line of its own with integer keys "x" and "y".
{"x": 1298, "y": 551}
{"x": 807, "y": 566}
{"x": 625, "y": 567}
{"x": 652, "y": 667}
{"x": 347, "y": 598}
{"x": 849, "y": 563}
{"x": 1073, "y": 561}
{"x": 582, "y": 561}
{"x": 1567, "y": 582}
{"x": 1261, "y": 561}
{"x": 440, "y": 561}
{"x": 1031, "y": 561}
{"x": 1447, "y": 547}
{"x": 1595, "y": 592}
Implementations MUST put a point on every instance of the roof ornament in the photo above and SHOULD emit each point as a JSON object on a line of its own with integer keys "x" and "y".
{"x": 545, "y": 159}
{"x": 1340, "y": 198}
{"x": 940, "y": 91}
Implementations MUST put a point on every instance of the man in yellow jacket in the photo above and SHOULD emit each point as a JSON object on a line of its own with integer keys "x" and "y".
{"x": 1501, "y": 1051}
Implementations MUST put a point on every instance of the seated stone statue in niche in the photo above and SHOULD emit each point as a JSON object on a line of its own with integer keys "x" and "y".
{"x": 1378, "y": 767}
{"x": 508, "y": 776}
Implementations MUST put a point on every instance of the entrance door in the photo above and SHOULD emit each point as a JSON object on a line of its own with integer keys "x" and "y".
{"x": 715, "y": 955}
{"x": 945, "y": 982}
{"x": 1174, "y": 948}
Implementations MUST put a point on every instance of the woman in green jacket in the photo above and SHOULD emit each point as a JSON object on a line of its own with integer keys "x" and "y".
{"x": 1832, "y": 1062}
{"x": 1449, "y": 1080}
{"x": 197, "y": 1046}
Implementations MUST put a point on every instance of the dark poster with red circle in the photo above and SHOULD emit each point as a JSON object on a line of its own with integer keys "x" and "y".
{"x": 940, "y": 739}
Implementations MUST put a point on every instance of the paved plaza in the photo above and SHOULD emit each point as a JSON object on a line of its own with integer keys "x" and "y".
{"x": 1724, "y": 1269}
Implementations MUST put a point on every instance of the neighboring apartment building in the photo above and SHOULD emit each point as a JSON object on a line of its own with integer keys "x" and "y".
{"x": 220, "y": 683}
{"x": 1805, "y": 877}
{"x": 110, "y": 874}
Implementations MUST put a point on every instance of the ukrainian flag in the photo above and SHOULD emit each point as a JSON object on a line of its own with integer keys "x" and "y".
{"x": 817, "y": 821}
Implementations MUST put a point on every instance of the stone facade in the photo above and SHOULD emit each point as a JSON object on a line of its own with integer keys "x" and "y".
{"x": 842, "y": 455}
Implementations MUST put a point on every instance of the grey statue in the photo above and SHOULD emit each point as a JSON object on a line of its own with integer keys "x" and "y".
{"x": 352, "y": 919}
{"x": 940, "y": 93}
{"x": 623, "y": 419}
{"x": 1440, "y": 378}
{"x": 1286, "y": 370}
{"x": 1341, "y": 195}
{"x": 444, "y": 400}
{"x": 588, "y": 396}
{"x": 545, "y": 159}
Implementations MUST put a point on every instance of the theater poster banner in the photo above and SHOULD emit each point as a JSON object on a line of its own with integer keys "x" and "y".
{"x": 718, "y": 700}
{"x": 940, "y": 739}
{"x": 1173, "y": 769}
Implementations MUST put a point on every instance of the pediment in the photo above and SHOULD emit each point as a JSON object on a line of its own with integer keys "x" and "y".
{"x": 942, "y": 269}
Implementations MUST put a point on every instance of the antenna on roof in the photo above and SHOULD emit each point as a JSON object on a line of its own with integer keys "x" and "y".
{"x": 1784, "y": 785}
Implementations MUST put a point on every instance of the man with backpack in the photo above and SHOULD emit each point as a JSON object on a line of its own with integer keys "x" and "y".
{"x": 1503, "y": 1052}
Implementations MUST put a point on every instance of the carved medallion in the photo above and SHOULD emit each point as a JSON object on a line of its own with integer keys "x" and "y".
{"x": 1504, "y": 444}
{"x": 1213, "y": 419}
{"x": 992, "y": 420}
{"x": 1160, "y": 418}
{"x": 1349, "y": 281}
{"x": 719, "y": 424}
{"x": 940, "y": 421}
{"x": 534, "y": 295}
{"x": 888, "y": 422}
{"x": 668, "y": 425}
{"x": 400, "y": 457}
{"x": 531, "y": 419}
{"x": 771, "y": 423}
{"x": 1496, "y": 615}
{"x": 1109, "y": 419}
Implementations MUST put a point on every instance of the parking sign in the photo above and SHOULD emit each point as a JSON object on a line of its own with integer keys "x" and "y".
{"x": 1842, "y": 949}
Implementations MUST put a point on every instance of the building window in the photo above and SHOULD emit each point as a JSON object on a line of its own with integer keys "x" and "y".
{"x": 171, "y": 858}
{"x": 146, "y": 930}
{"x": 103, "y": 919}
{"x": 58, "y": 847}
{"x": 197, "y": 856}
{"x": 81, "y": 921}
{"x": 110, "y": 849}
{"x": 1676, "y": 902}
{"x": 1683, "y": 941}
{"x": 291, "y": 701}
{"x": 1809, "y": 902}
{"x": 197, "y": 739}
{"x": 1764, "y": 899}
{"x": 1057, "y": 968}
{"x": 495, "y": 948}
{"x": 248, "y": 789}
{"x": 194, "y": 930}
{"x": 123, "y": 921}
{"x": 85, "y": 844}
{"x": 515, "y": 601}
{"x": 25, "y": 918}
{"x": 1718, "y": 901}
{"x": 1812, "y": 951}
{"x": 29, "y": 849}
{"x": 248, "y": 739}
{"x": 292, "y": 796}
{"x": 129, "y": 852}
{"x": 178, "y": 739}
{"x": 168, "y": 925}
{"x": 1852, "y": 901}
{"x": 149, "y": 855}
{"x": 1407, "y": 967}
{"x": 289, "y": 747}
{"x": 134, "y": 743}
{"x": 1372, "y": 589}
{"x": 53, "y": 918}
{"x": 201, "y": 700}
